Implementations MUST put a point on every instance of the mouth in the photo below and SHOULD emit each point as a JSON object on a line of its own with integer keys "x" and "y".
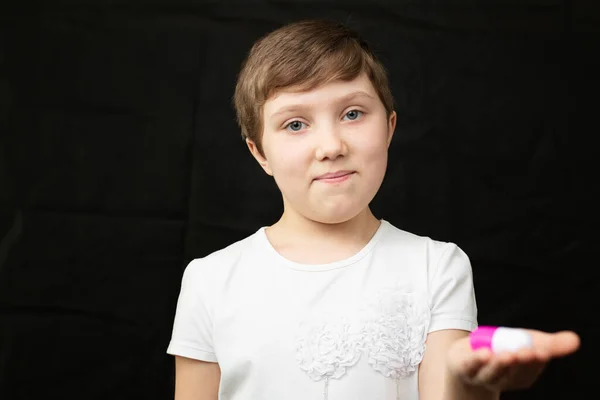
{"x": 334, "y": 177}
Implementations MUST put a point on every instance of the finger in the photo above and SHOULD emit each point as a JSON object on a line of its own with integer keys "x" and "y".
{"x": 496, "y": 368}
{"x": 542, "y": 354}
{"x": 564, "y": 343}
{"x": 526, "y": 356}
{"x": 471, "y": 365}
{"x": 517, "y": 376}
{"x": 550, "y": 345}
{"x": 506, "y": 380}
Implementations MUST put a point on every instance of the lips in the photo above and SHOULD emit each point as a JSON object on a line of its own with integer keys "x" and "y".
{"x": 334, "y": 175}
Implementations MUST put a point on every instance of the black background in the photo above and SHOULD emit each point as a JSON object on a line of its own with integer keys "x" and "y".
{"x": 120, "y": 161}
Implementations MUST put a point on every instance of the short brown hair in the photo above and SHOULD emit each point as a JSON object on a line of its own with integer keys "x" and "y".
{"x": 304, "y": 54}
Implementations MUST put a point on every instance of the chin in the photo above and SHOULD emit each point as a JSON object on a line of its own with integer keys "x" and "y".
{"x": 335, "y": 216}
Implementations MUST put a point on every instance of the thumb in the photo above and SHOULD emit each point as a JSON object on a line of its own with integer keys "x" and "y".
{"x": 463, "y": 361}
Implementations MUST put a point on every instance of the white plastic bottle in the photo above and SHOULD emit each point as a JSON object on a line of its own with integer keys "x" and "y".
{"x": 499, "y": 338}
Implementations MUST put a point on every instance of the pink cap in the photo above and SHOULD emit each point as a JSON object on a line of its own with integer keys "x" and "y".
{"x": 482, "y": 337}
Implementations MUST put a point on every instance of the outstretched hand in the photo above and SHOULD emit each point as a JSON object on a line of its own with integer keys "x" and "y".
{"x": 509, "y": 370}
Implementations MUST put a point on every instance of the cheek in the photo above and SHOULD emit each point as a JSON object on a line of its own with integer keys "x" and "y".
{"x": 288, "y": 159}
{"x": 371, "y": 154}
{"x": 372, "y": 147}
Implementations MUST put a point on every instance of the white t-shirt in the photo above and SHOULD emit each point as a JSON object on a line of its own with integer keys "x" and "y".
{"x": 349, "y": 330}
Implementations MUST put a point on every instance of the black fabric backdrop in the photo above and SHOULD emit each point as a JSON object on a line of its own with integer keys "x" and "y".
{"x": 120, "y": 161}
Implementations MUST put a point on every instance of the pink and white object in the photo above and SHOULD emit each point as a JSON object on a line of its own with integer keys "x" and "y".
{"x": 500, "y": 338}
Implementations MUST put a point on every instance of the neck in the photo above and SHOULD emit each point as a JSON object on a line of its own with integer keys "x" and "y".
{"x": 358, "y": 229}
{"x": 307, "y": 241}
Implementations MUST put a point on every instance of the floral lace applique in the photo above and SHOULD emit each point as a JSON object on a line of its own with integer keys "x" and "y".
{"x": 391, "y": 335}
{"x": 326, "y": 349}
{"x": 395, "y": 333}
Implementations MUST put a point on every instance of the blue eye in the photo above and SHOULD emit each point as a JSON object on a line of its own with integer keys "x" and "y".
{"x": 353, "y": 114}
{"x": 295, "y": 126}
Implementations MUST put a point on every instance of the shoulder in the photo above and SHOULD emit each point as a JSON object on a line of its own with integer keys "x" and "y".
{"x": 433, "y": 249}
{"x": 442, "y": 269}
{"x": 218, "y": 264}
{"x": 433, "y": 257}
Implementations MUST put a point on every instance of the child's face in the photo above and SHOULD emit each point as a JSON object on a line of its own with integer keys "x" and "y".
{"x": 340, "y": 128}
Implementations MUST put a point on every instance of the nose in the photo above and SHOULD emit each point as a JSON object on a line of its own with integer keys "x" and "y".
{"x": 331, "y": 145}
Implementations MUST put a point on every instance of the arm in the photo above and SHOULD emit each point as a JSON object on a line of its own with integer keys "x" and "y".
{"x": 436, "y": 381}
{"x": 450, "y": 369}
{"x": 197, "y": 373}
{"x": 196, "y": 380}
{"x": 454, "y": 315}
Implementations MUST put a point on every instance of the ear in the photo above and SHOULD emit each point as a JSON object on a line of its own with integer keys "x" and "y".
{"x": 391, "y": 127}
{"x": 258, "y": 157}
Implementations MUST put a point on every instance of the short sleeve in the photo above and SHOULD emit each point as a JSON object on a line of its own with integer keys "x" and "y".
{"x": 453, "y": 304}
{"x": 192, "y": 327}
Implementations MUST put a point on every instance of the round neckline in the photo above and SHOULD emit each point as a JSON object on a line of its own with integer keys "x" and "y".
{"x": 266, "y": 243}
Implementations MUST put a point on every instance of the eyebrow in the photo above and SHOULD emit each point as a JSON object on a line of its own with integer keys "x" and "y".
{"x": 296, "y": 107}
